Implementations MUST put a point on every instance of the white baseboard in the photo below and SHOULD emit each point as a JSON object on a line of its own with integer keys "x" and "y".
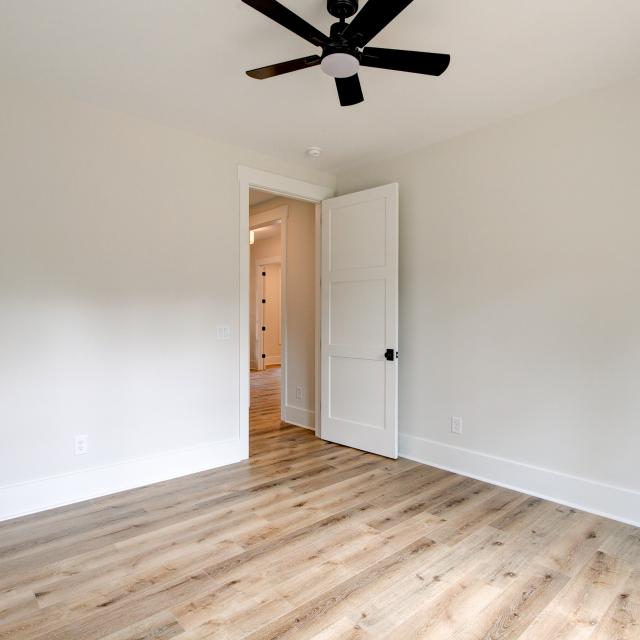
{"x": 56, "y": 491}
{"x": 300, "y": 417}
{"x": 598, "y": 498}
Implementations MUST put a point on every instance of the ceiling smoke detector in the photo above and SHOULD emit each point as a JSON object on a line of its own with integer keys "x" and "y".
{"x": 314, "y": 152}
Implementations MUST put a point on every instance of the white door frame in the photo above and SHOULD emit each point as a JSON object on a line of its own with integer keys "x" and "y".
{"x": 289, "y": 187}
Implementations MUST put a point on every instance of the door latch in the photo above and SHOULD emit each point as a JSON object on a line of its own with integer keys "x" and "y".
{"x": 390, "y": 355}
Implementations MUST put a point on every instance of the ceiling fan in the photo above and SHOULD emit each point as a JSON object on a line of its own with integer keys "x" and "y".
{"x": 345, "y": 50}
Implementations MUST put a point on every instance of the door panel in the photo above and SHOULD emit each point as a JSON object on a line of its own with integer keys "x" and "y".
{"x": 360, "y": 320}
{"x": 348, "y": 250}
{"x": 354, "y": 403}
{"x": 271, "y": 321}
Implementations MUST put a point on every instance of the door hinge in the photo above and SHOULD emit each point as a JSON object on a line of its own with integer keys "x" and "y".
{"x": 264, "y": 355}
{"x": 264, "y": 328}
{"x": 264, "y": 301}
{"x": 264, "y": 273}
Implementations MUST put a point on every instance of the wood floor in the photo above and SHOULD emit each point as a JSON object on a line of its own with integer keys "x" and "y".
{"x": 313, "y": 540}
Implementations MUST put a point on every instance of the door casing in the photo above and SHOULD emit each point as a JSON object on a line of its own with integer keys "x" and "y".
{"x": 249, "y": 178}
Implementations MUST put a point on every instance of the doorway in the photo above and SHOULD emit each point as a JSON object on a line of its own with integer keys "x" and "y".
{"x": 267, "y": 301}
{"x": 282, "y": 311}
{"x": 356, "y": 254}
{"x": 275, "y": 185}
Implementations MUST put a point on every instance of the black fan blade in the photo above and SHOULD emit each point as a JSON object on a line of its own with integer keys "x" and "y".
{"x": 279, "y": 68}
{"x": 289, "y": 20}
{"x": 431, "y": 64}
{"x": 372, "y": 19}
{"x": 349, "y": 90}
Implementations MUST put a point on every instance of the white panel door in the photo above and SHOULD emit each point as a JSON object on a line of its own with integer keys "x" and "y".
{"x": 359, "y": 392}
{"x": 271, "y": 321}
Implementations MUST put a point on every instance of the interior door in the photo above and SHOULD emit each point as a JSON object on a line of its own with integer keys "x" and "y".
{"x": 359, "y": 367}
{"x": 271, "y": 321}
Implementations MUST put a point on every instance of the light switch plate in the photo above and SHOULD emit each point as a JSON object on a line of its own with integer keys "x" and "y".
{"x": 81, "y": 444}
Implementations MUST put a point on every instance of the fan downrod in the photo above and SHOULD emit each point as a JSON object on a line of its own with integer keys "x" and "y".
{"x": 342, "y": 9}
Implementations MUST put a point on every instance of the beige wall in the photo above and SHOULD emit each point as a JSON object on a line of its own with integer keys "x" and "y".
{"x": 520, "y": 292}
{"x": 300, "y": 283}
{"x": 118, "y": 259}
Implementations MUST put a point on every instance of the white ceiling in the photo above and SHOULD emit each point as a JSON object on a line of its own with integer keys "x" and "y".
{"x": 182, "y": 63}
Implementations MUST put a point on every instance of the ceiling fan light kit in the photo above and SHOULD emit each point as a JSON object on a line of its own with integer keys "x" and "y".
{"x": 340, "y": 65}
{"x": 345, "y": 50}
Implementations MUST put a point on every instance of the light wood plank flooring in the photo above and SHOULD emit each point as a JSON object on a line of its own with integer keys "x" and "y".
{"x": 312, "y": 540}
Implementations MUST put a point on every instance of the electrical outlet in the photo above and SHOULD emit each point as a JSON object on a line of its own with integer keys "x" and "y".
{"x": 223, "y": 333}
{"x": 456, "y": 425}
{"x": 81, "y": 444}
{"x": 299, "y": 393}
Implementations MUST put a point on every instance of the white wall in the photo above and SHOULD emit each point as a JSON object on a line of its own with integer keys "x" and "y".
{"x": 301, "y": 309}
{"x": 520, "y": 300}
{"x": 118, "y": 259}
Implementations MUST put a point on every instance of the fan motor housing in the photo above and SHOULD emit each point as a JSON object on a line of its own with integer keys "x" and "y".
{"x": 342, "y": 9}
